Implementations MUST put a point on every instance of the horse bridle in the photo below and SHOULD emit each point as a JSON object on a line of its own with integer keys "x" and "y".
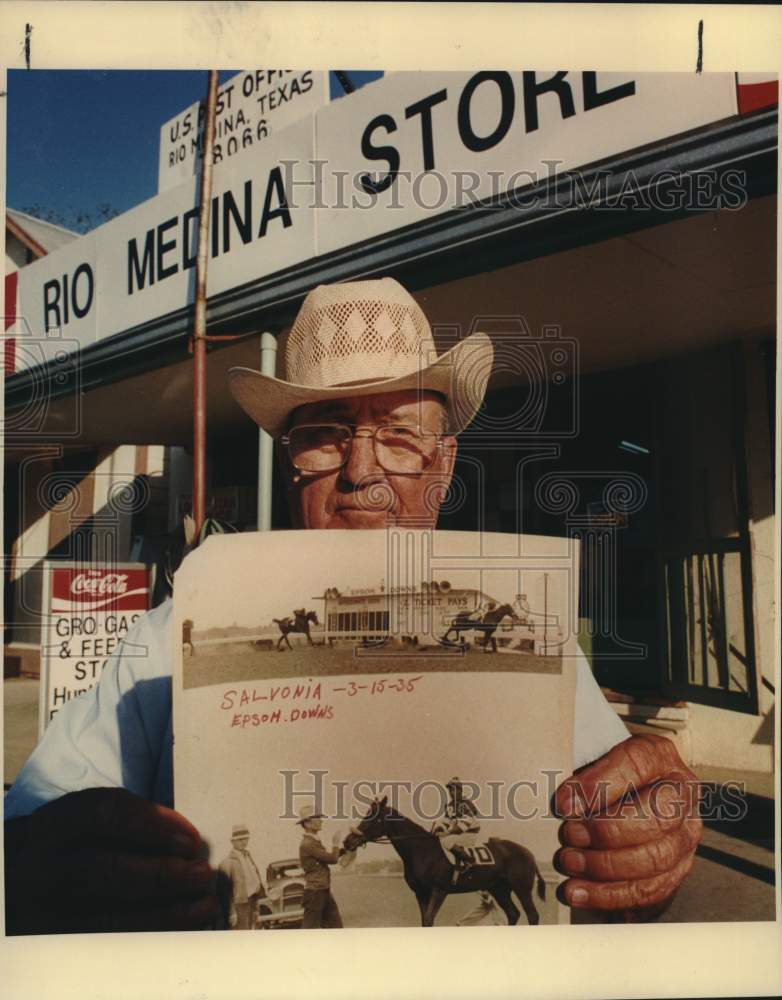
{"x": 383, "y": 838}
{"x": 362, "y": 840}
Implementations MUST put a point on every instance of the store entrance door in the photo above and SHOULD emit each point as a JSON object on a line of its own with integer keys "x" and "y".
{"x": 707, "y": 636}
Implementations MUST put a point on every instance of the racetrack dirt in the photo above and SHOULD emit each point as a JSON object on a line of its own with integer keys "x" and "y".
{"x": 231, "y": 662}
{"x": 386, "y": 901}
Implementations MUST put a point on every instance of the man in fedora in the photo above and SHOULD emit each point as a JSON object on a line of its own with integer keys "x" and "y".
{"x": 320, "y": 907}
{"x": 241, "y": 884}
{"x": 365, "y": 419}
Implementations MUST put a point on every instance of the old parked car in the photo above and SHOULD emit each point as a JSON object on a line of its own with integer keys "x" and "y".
{"x": 282, "y": 905}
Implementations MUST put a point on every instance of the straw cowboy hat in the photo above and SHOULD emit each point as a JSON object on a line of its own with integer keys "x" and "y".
{"x": 309, "y": 812}
{"x": 359, "y": 338}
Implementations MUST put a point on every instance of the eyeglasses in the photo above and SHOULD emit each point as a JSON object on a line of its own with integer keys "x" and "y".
{"x": 402, "y": 449}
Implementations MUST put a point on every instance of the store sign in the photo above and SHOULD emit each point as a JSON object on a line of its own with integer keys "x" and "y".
{"x": 416, "y": 145}
{"x": 57, "y": 301}
{"x": 141, "y": 265}
{"x": 251, "y": 106}
{"x": 88, "y": 611}
{"x": 398, "y": 151}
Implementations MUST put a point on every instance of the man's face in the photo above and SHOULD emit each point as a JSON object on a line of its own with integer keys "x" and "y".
{"x": 240, "y": 843}
{"x": 313, "y": 825}
{"x": 362, "y": 494}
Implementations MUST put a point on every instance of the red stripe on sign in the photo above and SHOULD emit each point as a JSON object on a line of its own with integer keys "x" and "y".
{"x": 9, "y": 347}
{"x": 757, "y": 95}
{"x": 101, "y": 589}
{"x": 9, "y": 356}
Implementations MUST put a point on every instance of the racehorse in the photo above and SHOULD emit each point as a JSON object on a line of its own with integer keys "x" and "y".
{"x": 300, "y": 623}
{"x": 429, "y": 873}
{"x": 487, "y": 624}
{"x": 463, "y": 622}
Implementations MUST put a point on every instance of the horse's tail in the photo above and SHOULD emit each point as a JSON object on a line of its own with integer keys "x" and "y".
{"x": 541, "y": 884}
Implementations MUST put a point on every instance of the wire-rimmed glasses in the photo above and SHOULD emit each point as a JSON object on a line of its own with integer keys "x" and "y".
{"x": 401, "y": 449}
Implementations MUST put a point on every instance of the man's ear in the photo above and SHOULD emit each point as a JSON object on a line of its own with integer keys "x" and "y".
{"x": 283, "y": 462}
{"x": 450, "y": 446}
{"x": 446, "y": 461}
{"x": 288, "y": 474}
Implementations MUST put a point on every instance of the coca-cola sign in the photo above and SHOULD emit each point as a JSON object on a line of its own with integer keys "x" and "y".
{"x": 122, "y": 590}
{"x": 89, "y": 610}
{"x": 110, "y": 583}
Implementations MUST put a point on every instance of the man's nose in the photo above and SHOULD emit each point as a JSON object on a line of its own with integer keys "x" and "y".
{"x": 362, "y": 462}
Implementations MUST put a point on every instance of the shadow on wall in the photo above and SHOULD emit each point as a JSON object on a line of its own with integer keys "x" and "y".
{"x": 765, "y": 732}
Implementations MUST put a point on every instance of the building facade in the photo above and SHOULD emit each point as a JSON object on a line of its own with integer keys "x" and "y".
{"x": 630, "y": 293}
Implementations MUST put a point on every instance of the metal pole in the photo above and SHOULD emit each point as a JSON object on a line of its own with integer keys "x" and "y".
{"x": 199, "y": 328}
{"x": 265, "y": 442}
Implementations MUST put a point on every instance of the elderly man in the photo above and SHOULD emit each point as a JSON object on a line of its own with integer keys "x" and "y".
{"x": 365, "y": 420}
{"x": 241, "y": 885}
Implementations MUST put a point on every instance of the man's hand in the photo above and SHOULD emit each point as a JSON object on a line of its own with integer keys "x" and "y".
{"x": 630, "y": 831}
{"x": 104, "y": 859}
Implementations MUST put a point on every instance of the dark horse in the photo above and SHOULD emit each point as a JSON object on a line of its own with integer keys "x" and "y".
{"x": 487, "y": 624}
{"x": 429, "y": 873}
{"x": 299, "y": 623}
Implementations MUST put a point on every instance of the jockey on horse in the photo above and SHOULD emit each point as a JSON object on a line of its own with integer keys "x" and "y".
{"x": 459, "y": 828}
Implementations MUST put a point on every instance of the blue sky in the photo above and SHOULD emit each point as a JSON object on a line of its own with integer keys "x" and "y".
{"x": 81, "y": 138}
